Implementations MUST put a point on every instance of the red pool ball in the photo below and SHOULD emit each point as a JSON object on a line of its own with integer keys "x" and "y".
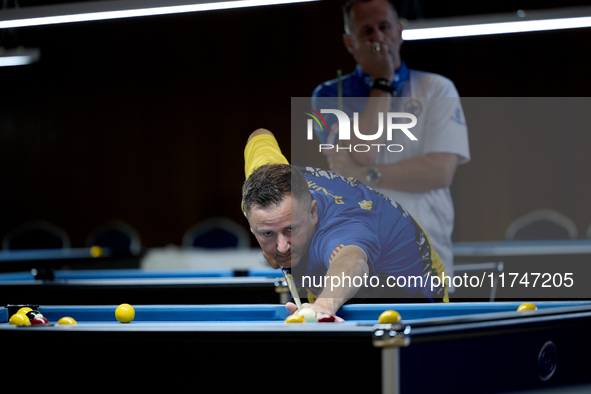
{"x": 40, "y": 320}
{"x": 326, "y": 318}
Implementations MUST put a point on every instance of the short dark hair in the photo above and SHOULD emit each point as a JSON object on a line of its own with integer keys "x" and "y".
{"x": 347, "y": 9}
{"x": 268, "y": 185}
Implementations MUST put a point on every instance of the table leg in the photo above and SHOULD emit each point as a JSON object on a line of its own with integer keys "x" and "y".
{"x": 391, "y": 370}
{"x": 284, "y": 298}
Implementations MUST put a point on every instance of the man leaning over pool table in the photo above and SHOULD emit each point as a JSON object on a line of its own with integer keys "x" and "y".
{"x": 322, "y": 225}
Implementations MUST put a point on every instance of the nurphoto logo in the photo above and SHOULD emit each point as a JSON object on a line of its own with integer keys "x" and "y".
{"x": 344, "y": 130}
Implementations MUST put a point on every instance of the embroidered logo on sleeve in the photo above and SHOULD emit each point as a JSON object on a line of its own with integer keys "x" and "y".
{"x": 337, "y": 250}
{"x": 364, "y": 204}
{"x": 458, "y": 117}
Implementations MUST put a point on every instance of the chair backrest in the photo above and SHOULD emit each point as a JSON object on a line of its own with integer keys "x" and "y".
{"x": 542, "y": 224}
{"x": 217, "y": 233}
{"x": 36, "y": 235}
{"x": 116, "y": 235}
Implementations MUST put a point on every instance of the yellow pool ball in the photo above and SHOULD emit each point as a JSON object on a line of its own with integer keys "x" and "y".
{"x": 389, "y": 317}
{"x": 67, "y": 320}
{"x": 124, "y": 313}
{"x": 527, "y": 306}
{"x": 19, "y": 319}
{"x": 24, "y": 310}
{"x": 295, "y": 319}
{"x": 96, "y": 251}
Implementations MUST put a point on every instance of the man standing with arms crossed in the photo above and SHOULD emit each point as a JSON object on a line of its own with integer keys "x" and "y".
{"x": 419, "y": 176}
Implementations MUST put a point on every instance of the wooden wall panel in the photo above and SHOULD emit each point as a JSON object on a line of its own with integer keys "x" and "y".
{"x": 145, "y": 119}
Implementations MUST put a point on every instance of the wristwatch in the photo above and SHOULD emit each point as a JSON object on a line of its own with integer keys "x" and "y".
{"x": 384, "y": 85}
{"x": 373, "y": 176}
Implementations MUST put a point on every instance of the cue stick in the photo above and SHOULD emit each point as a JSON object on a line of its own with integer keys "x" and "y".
{"x": 292, "y": 287}
{"x": 340, "y": 89}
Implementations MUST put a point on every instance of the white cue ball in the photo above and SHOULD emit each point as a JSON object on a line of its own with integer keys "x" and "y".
{"x": 308, "y": 313}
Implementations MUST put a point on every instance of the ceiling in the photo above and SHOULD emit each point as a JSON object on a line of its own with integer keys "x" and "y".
{"x": 411, "y": 9}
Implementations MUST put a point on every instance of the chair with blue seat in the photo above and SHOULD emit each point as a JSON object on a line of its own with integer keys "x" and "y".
{"x": 542, "y": 224}
{"x": 217, "y": 233}
{"x": 38, "y": 234}
{"x": 116, "y": 235}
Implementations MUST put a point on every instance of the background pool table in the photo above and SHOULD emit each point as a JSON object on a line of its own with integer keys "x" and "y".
{"x": 137, "y": 286}
{"x": 555, "y": 257}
